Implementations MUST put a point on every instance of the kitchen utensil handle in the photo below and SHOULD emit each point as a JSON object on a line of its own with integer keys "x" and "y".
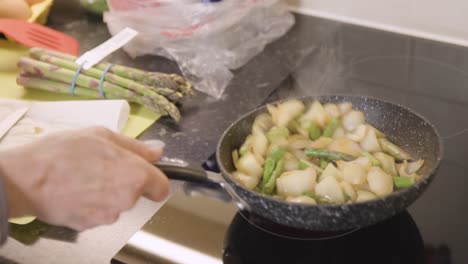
{"x": 177, "y": 169}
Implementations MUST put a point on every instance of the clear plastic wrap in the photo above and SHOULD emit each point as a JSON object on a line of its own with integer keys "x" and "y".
{"x": 207, "y": 40}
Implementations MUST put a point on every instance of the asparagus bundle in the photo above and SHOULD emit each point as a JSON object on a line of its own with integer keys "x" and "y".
{"x": 154, "y": 79}
{"x": 53, "y": 71}
{"x": 29, "y": 80}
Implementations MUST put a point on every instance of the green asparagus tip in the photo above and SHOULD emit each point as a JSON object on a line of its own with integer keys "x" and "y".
{"x": 403, "y": 182}
{"x": 332, "y": 126}
{"x": 323, "y": 163}
{"x": 314, "y": 131}
{"x": 304, "y": 164}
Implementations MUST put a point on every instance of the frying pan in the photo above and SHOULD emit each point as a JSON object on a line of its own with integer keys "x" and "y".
{"x": 409, "y": 130}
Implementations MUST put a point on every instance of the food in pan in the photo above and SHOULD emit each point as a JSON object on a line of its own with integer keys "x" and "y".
{"x": 321, "y": 154}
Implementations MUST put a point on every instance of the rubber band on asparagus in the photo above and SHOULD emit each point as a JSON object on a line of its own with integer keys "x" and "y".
{"x": 73, "y": 83}
{"x": 101, "y": 81}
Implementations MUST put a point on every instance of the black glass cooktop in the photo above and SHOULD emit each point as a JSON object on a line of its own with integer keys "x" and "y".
{"x": 429, "y": 77}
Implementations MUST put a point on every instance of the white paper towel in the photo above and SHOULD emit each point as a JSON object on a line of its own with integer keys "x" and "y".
{"x": 44, "y": 118}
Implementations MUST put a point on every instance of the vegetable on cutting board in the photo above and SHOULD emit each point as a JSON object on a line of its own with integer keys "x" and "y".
{"x": 16, "y": 9}
{"x": 53, "y": 71}
{"x": 33, "y": 2}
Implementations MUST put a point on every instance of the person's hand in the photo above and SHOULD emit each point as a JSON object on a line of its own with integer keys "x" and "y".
{"x": 81, "y": 179}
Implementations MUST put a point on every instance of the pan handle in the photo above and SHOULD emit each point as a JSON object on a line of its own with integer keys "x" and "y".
{"x": 177, "y": 169}
{"x": 198, "y": 180}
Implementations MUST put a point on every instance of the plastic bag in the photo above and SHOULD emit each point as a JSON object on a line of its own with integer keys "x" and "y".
{"x": 207, "y": 40}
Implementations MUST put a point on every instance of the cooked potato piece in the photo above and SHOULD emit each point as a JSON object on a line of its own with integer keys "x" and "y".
{"x": 248, "y": 182}
{"x": 353, "y": 173}
{"x": 299, "y": 154}
{"x": 301, "y": 131}
{"x": 317, "y": 114}
{"x": 279, "y": 143}
{"x": 262, "y": 122}
{"x": 332, "y": 110}
{"x": 346, "y": 146}
{"x": 301, "y": 199}
{"x": 339, "y": 133}
{"x": 345, "y": 107}
{"x": 330, "y": 171}
{"x": 246, "y": 146}
{"x": 363, "y": 196}
{"x": 321, "y": 143}
{"x": 259, "y": 144}
{"x": 414, "y": 166}
{"x": 248, "y": 164}
{"x": 353, "y": 119}
{"x": 363, "y": 161}
{"x": 295, "y": 183}
{"x": 358, "y": 134}
{"x": 378, "y": 133}
{"x": 370, "y": 143}
{"x": 348, "y": 190}
{"x": 287, "y": 111}
{"x": 380, "y": 182}
{"x": 259, "y": 159}
{"x": 299, "y": 142}
{"x": 290, "y": 162}
{"x": 388, "y": 163}
{"x": 330, "y": 190}
{"x": 409, "y": 169}
{"x": 235, "y": 157}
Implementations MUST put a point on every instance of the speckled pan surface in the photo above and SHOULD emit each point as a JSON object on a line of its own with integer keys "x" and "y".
{"x": 406, "y": 128}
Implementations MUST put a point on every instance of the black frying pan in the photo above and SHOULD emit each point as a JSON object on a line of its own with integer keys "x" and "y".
{"x": 411, "y": 131}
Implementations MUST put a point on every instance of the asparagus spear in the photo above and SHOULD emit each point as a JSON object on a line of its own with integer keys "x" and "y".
{"x": 330, "y": 155}
{"x": 277, "y": 154}
{"x": 270, "y": 185}
{"x": 36, "y": 82}
{"x": 403, "y": 182}
{"x": 323, "y": 163}
{"x": 314, "y": 131}
{"x": 270, "y": 164}
{"x": 53, "y": 72}
{"x": 304, "y": 164}
{"x": 96, "y": 73}
{"x": 393, "y": 150}
{"x": 374, "y": 161}
{"x": 332, "y": 126}
{"x": 172, "y": 81}
{"x": 268, "y": 170}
